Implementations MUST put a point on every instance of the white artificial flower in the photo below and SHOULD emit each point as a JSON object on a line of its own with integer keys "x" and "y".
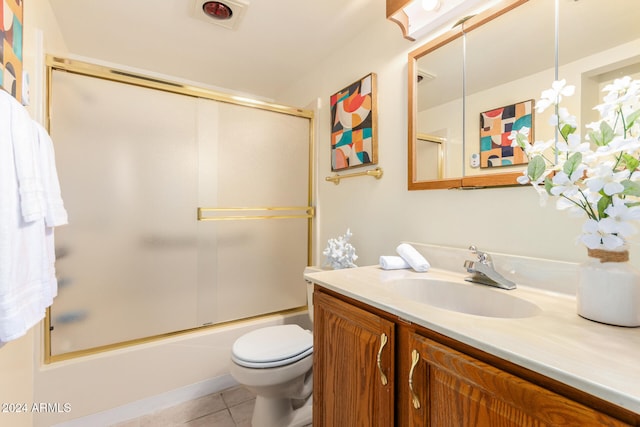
{"x": 620, "y": 92}
{"x": 619, "y": 145}
{"x": 564, "y": 118}
{"x": 602, "y": 177}
{"x": 539, "y": 148}
{"x": 573, "y": 145}
{"x": 554, "y": 95}
{"x": 564, "y": 184}
{"x": 524, "y": 179}
{"x": 620, "y": 217}
{"x": 596, "y": 238}
{"x": 599, "y": 177}
{"x": 519, "y": 136}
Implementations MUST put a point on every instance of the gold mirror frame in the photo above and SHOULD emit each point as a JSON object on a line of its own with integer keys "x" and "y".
{"x": 486, "y": 180}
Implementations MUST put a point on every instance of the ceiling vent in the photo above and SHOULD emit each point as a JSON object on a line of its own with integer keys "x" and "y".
{"x": 225, "y": 13}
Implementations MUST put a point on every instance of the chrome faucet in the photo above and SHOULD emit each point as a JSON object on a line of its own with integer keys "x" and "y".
{"x": 482, "y": 271}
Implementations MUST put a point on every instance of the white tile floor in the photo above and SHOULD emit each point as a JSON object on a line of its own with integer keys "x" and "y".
{"x": 229, "y": 408}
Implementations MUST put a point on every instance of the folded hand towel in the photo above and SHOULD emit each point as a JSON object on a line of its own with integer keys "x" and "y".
{"x": 413, "y": 257}
{"x": 393, "y": 263}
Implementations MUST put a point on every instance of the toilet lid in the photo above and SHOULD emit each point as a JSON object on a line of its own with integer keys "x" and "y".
{"x": 272, "y": 346}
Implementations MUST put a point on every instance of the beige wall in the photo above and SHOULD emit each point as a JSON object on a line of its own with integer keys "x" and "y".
{"x": 381, "y": 213}
{"x": 19, "y": 358}
{"x": 16, "y": 380}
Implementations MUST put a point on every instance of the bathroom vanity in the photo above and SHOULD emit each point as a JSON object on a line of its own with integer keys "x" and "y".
{"x": 384, "y": 355}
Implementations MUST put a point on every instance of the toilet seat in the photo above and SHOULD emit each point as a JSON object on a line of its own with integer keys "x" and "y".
{"x": 272, "y": 346}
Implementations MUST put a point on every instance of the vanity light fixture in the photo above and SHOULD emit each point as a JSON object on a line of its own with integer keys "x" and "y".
{"x": 430, "y": 5}
{"x": 418, "y": 18}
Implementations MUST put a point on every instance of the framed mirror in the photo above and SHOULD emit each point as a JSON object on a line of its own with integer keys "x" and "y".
{"x": 471, "y": 85}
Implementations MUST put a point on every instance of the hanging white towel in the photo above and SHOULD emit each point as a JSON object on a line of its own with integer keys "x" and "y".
{"x": 55, "y": 213}
{"x": 25, "y": 154}
{"x": 27, "y": 181}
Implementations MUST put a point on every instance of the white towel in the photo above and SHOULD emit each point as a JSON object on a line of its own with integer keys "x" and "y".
{"x": 55, "y": 213}
{"x": 27, "y": 274}
{"x": 393, "y": 263}
{"x": 24, "y": 140}
{"x": 413, "y": 257}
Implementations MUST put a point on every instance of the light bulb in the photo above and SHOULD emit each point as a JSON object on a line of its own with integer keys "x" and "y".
{"x": 430, "y": 5}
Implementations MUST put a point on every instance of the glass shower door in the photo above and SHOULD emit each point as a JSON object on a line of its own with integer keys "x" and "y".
{"x": 184, "y": 211}
{"x": 127, "y": 261}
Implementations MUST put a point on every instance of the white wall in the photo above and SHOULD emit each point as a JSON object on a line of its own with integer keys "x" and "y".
{"x": 381, "y": 213}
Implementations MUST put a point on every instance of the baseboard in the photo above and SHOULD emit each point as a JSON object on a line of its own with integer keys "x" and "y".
{"x": 152, "y": 404}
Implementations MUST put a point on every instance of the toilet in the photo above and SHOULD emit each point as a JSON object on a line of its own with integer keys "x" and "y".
{"x": 275, "y": 363}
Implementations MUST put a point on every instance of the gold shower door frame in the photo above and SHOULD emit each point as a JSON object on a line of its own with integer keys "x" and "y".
{"x": 203, "y": 214}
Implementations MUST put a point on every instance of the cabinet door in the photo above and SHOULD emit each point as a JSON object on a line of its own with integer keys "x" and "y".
{"x": 353, "y": 365}
{"x": 453, "y": 389}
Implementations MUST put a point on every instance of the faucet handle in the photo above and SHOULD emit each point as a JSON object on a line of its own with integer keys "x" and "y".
{"x": 483, "y": 257}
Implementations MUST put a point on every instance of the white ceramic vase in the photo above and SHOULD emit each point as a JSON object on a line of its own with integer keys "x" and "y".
{"x": 609, "y": 289}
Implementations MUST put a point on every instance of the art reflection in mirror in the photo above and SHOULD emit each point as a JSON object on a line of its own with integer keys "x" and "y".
{"x": 496, "y": 126}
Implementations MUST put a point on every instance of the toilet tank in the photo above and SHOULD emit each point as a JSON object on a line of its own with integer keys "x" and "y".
{"x": 311, "y": 269}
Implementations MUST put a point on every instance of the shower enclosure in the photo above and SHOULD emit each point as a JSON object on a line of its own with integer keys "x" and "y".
{"x": 187, "y": 208}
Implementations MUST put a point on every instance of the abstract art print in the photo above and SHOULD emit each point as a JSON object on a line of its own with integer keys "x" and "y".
{"x": 354, "y": 125}
{"x": 496, "y": 126}
{"x": 11, "y": 48}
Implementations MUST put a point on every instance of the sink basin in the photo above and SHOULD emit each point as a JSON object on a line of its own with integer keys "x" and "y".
{"x": 465, "y": 297}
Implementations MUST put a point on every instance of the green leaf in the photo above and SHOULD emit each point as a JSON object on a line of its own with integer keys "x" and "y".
{"x": 536, "y": 168}
{"x": 607, "y": 132}
{"x": 548, "y": 185}
{"x": 631, "y": 188}
{"x": 631, "y": 118}
{"x": 566, "y": 131}
{"x": 604, "y": 136}
{"x": 630, "y": 162}
{"x": 603, "y": 203}
{"x": 572, "y": 163}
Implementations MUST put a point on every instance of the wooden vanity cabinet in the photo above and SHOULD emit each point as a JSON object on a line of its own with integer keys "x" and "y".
{"x": 432, "y": 380}
{"x": 451, "y": 389}
{"x": 353, "y": 374}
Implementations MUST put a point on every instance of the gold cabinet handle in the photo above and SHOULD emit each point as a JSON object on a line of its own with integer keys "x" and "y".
{"x": 415, "y": 357}
{"x": 383, "y": 342}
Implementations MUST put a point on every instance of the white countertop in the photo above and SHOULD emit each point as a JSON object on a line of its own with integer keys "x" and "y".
{"x": 599, "y": 359}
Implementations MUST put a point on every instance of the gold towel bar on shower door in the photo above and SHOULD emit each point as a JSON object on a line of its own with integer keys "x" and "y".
{"x": 377, "y": 173}
{"x": 286, "y": 212}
